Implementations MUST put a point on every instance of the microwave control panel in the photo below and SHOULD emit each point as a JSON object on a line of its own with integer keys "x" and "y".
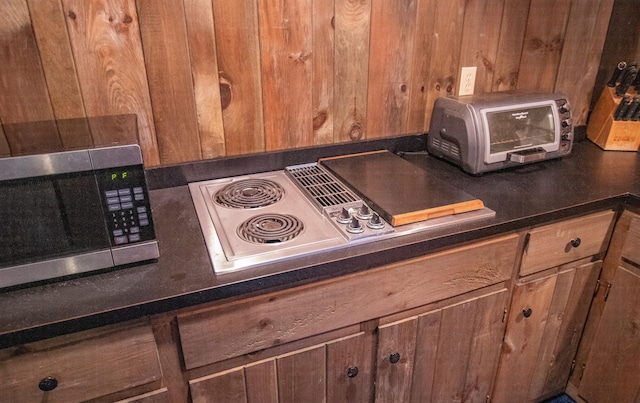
{"x": 126, "y": 205}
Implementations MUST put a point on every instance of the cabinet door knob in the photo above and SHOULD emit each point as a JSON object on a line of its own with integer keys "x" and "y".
{"x": 527, "y": 312}
{"x": 47, "y": 384}
{"x": 352, "y": 372}
{"x": 575, "y": 242}
{"x": 395, "y": 357}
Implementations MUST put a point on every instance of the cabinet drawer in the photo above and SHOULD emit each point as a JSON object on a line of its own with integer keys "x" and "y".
{"x": 566, "y": 241}
{"x": 242, "y": 327}
{"x": 631, "y": 248}
{"x": 84, "y": 370}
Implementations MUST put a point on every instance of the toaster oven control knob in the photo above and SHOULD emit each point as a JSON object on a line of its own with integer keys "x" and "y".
{"x": 354, "y": 226}
{"x": 344, "y": 217}
{"x": 566, "y": 122}
{"x": 563, "y": 109}
{"x": 364, "y": 213}
{"x": 375, "y": 222}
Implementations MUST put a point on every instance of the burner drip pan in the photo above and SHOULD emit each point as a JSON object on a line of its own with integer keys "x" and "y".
{"x": 270, "y": 228}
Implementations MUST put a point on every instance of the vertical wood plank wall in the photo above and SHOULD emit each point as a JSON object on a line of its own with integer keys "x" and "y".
{"x": 213, "y": 78}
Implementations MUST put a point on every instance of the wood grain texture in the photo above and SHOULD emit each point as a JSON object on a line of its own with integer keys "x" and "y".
{"x": 393, "y": 379}
{"x": 422, "y": 54}
{"x": 85, "y": 370}
{"x": 512, "y": 30}
{"x": 522, "y": 339}
{"x": 285, "y": 54}
{"x": 349, "y": 352}
{"x": 24, "y": 96}
{"x": 302, "y": 376}
{"x": 351, "y": 68}
{"x": 262, "y": 382}
{"x": 543, "y": 43}
{"x": 204, "y": 70}
{"x": 322, "y": 59}
{"x": 550, "y": 245}
{"x": 275, "y": 319}
{"x": 5, "y": 151}
{"x": 390, "y": 61}
{"x": 614, "y": 360}
{"x": 164, "y": 39}
{"x": 586, "y": 32}
{"x": 225, "y": 387}
{"x": 238, "y": 51}
{"x": 480, "y": 39}
{"x": 424, "y": 367}
{"x": 443, "y": 68}
{"x": 105, "y": 39}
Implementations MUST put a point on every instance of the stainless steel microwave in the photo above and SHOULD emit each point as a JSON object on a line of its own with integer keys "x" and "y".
{"x": 493, "y": 131}
{"x": 73, "y": 212}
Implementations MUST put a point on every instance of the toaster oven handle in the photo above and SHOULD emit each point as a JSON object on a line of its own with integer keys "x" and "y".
{"x": 526, "y": 156}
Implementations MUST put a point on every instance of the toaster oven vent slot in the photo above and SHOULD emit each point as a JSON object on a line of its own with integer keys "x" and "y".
{"x": 320, "y": 185}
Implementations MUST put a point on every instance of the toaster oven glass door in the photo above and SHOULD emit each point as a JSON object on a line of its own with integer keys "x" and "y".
{"x": 528, "y": 126}
{"x": 49, "y": 217}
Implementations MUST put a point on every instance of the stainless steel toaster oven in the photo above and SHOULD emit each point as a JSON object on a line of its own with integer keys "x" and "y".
{"x": 488, "y": 132}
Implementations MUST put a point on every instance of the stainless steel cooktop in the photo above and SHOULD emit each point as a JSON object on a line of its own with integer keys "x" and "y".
{"x": 251, "y": 220}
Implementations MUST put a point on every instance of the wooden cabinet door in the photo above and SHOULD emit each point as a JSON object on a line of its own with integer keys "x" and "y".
{"x": 339, "y": 370}
{"x": 544, "y": 326}
{"x": 445, "y": 355}
{"x": 613, "y": 365}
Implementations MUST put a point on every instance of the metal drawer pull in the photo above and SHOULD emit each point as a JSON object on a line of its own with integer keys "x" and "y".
{"x": 352, "y": 372}
{"x": 575, "y": 242}
{"x": 527, "y": 312}
{"x": 394, "y": 358}
{"x": 47, "y": 384}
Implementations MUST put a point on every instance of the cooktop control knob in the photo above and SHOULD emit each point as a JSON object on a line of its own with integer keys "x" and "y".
{"x": 344, "y": 217}
{"x": 364, "y": 213}
{"x": 375, "y": 222}
{"x": 354, "y": 226}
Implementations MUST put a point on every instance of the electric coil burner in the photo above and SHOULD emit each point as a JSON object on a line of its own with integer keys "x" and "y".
{"x": 252, "y": 220}
{"x": 270, "y": 228}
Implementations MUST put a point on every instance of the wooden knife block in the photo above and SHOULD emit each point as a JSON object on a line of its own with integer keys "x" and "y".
{"x": 609, "y": 134}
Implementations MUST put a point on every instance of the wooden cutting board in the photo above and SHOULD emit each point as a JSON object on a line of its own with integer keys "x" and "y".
{"x": 399, "y": 191}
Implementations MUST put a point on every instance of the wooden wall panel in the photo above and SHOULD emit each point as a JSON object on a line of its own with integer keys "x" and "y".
{"x": 322, "y": 54}
{"x": 59, "y": 68}
{"x": 443, "y": 68}
{"x": 105, "y": 39}
{"x": 285, "y": 51}
{"x": 422, "y": 54}
{"x": 512, "y": 29}
{"x": 480, "y": 38}
{"x": 232, "y": 77}
{"x": 166, "y": 56}
{"x": 390, "y": 58}
{"x": 238, "y": 47}
{"x": 5, "y": 151}
{"x": 543, "y": 43}
{"x": 204, "y": 64}
{"x": 351, "y": 69}
{"x": 586, "y": 32}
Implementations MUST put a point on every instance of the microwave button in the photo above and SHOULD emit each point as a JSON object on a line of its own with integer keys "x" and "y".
{"x": 134, "y": 230}
{"x": 127, "y": 205}
{"x": 123, "y": 192}
{"x": 143, "y": 216}
{"x": 114, "y": 207}
{"x": 119, "y": 240}
{"x": 141, "y": 209}
{"x": 138, "y": 196}
{"x": 137, "y": 190}
{"x": 143, "y": 222}
{"x": 113, "y": 200}
{"x": 111, "y": 193}
{"x": 134, "y": 237}
{"x": 117, "y": 232}
{"x": 124, "y": 199}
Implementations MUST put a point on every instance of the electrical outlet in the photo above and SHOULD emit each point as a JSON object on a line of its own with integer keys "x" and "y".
{"x": 467, "y": 80}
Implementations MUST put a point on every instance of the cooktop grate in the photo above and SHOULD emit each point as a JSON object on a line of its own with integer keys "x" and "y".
{"x": 270, "y": 228}
{"x": 249, "y": 193}
{"x": 320, "y": 185}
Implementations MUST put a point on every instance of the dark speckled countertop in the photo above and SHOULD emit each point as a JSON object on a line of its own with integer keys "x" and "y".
{"x": 587, "y": 180}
